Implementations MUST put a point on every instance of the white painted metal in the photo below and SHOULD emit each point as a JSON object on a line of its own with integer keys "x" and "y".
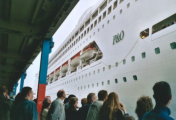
{"x": 141, "y": 14}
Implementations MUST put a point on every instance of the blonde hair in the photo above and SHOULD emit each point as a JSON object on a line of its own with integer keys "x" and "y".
{"x": 111, "y": 106}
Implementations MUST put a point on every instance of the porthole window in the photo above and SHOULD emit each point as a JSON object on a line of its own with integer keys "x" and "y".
{"x": 144, "y": 33}
{"x": 88, "y": 86}
{"x": 133, "y": 58}
{"x": 116, "y": 64}
{"x": 109, "y": 10}
{"x": 98, "y": 70}
{"x": 109, "y": 66}
{"x": 99, "y": 19}
{"x": 143, "y": 55}
{"x": 102, "y": 26}
{"x": 95, "y": 23}
{"x": 116, "y": 81}
{"x": 124, "y": 61}
{"x": 108, "y": 22}
{"x": 84, "y": 87}
{"x": 89, "y": 74}
{"x": 115, "y": 4}
{"x": 97, "y": 84}
{"x": 124, "y": 79}
{"x": 92, "y": 85}
{"x": 104, "y": 14}
{"x": 173, "y": 45}
{"x": 102, "y": 83}
{"x": 121, "y": 11}
{"x": 113, "y": 17}
{"x": 128, "y": 5}
{"x": 121, "y": 1}
{"x": 94, "y": 72}
{"x": 135, "y": 77}
{"x": 108, "y": 82}
{"x": 103, "y": 68}
{"x": 98, "y": 30}
{"x": 91, "y": 27}
{"x": 157, "y": 50}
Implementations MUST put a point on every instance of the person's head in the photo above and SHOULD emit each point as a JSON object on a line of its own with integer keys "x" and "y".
{"x": 61, "y": 94}
{"x": 27, "y": 93}
{"x": 91, "y": 98}
{"x": 46, "y": 104}
{"x": 84, "y": 101}
{"x": 102, "y": 95}
{"x": 73, "y": 102}
{"x": 19, "y": 98}
{"x": 4, "y": 90}
{"x": 66, "y": 100}
{"x": 162, "y": 93}
{"x": 143, "y": 105}
{"x": 70, "y": 96}
{"x": 110, "y": 105}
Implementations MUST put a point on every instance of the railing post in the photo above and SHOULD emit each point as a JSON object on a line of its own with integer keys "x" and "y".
{"x": 23, "y": 76}
{"x": 15, "y": 87}
{"x": 46, "y": 50}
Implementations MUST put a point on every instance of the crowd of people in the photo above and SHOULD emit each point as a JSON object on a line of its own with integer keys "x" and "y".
{"x": 104, "y": 106}
{"x": 164, "y": 26}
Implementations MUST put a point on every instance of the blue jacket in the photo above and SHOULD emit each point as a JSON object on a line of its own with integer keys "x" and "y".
{"x": 25, "y": 110}
{"x": 158, "y": 113}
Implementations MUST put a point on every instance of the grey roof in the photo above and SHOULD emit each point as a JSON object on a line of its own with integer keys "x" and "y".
{"x": 23, "y": 26}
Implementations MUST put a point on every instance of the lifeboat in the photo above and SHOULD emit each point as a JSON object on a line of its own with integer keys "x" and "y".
{"x": 57, "y": 72}
{"x": 51, "y": 76}
{"x": 64, "y": 67}
{"x": 62, "y": 74}
{"x": 75, "y": 60}
{"x": 87, "y": 54}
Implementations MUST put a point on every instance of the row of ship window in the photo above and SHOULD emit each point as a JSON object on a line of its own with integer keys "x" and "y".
{"x": 91, "y": 27}
{"x": 108, "y": 82}
{"x": 143, "y": 55}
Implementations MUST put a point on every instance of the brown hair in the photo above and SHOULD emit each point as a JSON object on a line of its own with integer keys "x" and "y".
{"x": 102, "y": 94}
{"x": 144, "y": 104}
{"x": 72, "y": 101}
{"x": 110, "y": 107}
{"x": 84, "y": 101}
{"x": 3, "y": 89}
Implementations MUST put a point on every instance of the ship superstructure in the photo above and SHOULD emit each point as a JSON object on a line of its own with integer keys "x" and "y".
{"x": 123, "y": 46}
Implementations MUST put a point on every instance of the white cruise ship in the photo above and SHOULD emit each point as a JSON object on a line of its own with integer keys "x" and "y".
{"x": 122, "y": 46}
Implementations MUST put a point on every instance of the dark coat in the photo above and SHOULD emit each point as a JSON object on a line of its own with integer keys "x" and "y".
{"x": 83, "y": 112}
{"x": 118, "y": 115}
{"x": 71, "y": 113}
{"x": 5, "y": 106}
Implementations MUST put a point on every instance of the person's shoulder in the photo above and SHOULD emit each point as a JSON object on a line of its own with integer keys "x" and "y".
{"x": 164, "y": 117}
{"x": 146, "y": 115}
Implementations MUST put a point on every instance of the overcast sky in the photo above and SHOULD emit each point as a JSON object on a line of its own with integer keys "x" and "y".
{"x": 61, "y": 34}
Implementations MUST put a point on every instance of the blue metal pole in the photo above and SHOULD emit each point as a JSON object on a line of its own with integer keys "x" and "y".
{"x": 47, "y": 47}
{"x": 16, "y": 85}
{"x": 23, "y": 76}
